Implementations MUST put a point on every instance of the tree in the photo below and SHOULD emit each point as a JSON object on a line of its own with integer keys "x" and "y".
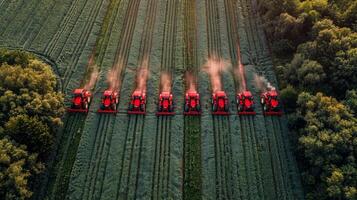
{"x": 16, "y": 168}
{"x": 311, "y": 75}
{"x": 30, "y": 131}
{"x": 288, "y": 97}
{"x": 327, "y": 147}
{"x": 30, "y": 114}
{"x": 351, "y": 100}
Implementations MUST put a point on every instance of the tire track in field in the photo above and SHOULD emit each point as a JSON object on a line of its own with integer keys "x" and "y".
{"x": 64, "y": 26}
{"x": 276, "y": 160}
{"x": 131, "y": 158}
{"x": 160, "y": 180}
{"x": 221, "y": 124}
{"x": 253, "y": 51}
{"x": 102, "y": 126}
{"x": 81, "y": 44}
{"x": 73, "y": 125}
{"x": 129, "y": 170}
{"x": 284, "y": 171}
{"x": 94, "y": 190}
{"x": 249, "y": 140}
{"x": 285, "y": 165}
{"x": 57, "y": 46}
{"x": 101, "y": 154}
{"x": 65, "y": 177}
{"x": 21, "y": 21}
{"x": 11, "y": 17}
{"x": 32, "y": 33}
{"x": 161, "y": 173}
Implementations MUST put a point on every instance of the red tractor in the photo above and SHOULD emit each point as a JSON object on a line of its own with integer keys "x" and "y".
{"x": 270, "y": 102}
{"x": 220, "y": 103}
{"x": 137, "y": 103}
{"x": 245, "y": 103}
{"x": 110, "y": 101}
{"x": 80, "y": 101}
{"x": 165, "y": 104}
{"x": 192, "y": 104}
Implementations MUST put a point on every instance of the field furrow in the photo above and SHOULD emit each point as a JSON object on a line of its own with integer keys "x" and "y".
{"x": 21, "y": 21}
{"x": 81, "y": 43}
{"x": 192, "y": 182}
{"x": 10, "y": 14}
{"x": 94, "y": 190}
{"x": 65, "y": 25}
{"x": 161, "y": 176}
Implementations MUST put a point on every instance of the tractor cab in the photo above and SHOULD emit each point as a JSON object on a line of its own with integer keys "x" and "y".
{"x": 110, "y": 101}
{"x": 165, "y": 106}
{"x": 270, "y": 102}
{"x": 137, "y": 103}
{"x": 245, "y": 103}
{"x": 192, "y": 104}
{"x": 220, "y": 103}
{"x": 80, "y": 101}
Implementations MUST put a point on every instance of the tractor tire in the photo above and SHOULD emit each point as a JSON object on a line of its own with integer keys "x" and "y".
{"x": 114, "y": 107}
{"x": 186, "y": 108}
{"x": 198, "y": 107}
{"x": 226, "y": 108}
{"x": 214, "y": 108}
{"x": 240, "y": 108}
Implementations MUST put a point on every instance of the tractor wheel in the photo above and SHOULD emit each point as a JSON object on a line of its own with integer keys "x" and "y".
{"x": 186, "y": 108}
{"x": 114, "y": 107}
{"x": 226, "y": 108}
{"x": 85, "y": 105}
{"x": 240, "y": 108}
{"x": 214, "y": 108}
{"x": 198, "y": 107}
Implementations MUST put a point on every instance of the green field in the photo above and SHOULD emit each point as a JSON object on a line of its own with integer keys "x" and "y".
{"x": 149, "y": 157}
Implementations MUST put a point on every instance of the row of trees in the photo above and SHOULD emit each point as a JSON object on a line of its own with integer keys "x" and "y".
{"x": 314, "y": 43}
{"x": 30, "y": 115}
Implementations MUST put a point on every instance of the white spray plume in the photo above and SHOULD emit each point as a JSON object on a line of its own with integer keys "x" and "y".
{"x": 142, "y": 75}
{"x": 214, "y": 67}
{"x": 93, "y": 74}
{"x": 191, "y": 83}
{"x": 262, "y": 83}
{"x": 165, "y": 82}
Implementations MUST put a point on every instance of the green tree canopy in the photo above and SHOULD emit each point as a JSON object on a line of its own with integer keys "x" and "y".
{"x": 30, "y": 113}
{"x": 16, "y": 168}
{"x": 328, "y": 147}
